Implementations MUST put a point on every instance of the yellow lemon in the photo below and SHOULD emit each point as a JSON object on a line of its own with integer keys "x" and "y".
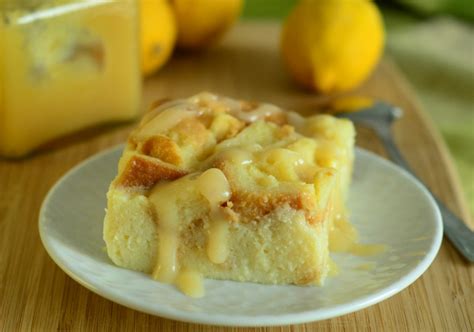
{"x": 201, "y": 22}
{"x": 158, "y": 33}
{"x": 332, "y": 45}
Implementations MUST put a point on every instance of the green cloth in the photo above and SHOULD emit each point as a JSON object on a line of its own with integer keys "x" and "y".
{"x": 437, "y": 56}
{"x": 460, "y": 8}
{"x": 276, "y": 9}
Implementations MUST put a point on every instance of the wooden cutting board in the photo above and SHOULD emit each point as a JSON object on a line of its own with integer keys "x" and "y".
{"x": 36, "y": 295}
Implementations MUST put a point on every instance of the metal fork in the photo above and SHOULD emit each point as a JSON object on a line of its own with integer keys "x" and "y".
{"x": 379, "y": 117}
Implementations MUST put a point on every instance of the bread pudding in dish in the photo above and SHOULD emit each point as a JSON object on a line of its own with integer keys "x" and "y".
{"x": 220, "y": 188}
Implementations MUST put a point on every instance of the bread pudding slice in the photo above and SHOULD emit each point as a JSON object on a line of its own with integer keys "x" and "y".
{"x": 226, "y": 189}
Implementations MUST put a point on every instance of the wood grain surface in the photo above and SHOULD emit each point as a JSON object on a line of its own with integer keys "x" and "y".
{"x": 35, "y": 295}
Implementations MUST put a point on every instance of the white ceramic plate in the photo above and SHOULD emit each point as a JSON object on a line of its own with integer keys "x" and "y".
{"x": 388, "y": 206}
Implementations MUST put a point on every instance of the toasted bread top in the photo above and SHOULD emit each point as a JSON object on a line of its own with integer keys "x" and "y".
{"x": 270, "y": 157}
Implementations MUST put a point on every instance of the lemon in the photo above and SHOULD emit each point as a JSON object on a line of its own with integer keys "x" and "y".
{"x": 158, "y": 34}
{"x": 202, "y": 22}
{"x": 332, "y": 45}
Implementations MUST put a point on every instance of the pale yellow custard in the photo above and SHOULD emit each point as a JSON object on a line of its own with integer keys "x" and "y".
{"x": 226, "y": 189}
{"x": 65, "y": 65}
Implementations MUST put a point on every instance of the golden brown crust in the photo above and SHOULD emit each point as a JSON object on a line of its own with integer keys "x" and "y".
{"x": 248, "y": 106}
{"x": 163, "y": 148}
{"x": 145, "y": 172}
{"x": 252, "y": 206}
{"x": 223, "y": 126}
{"x": 192, "y": 132}
{"x": 286, "y": 130}
{"x": 277, "y": 118}
{"x": 233, "y": 130}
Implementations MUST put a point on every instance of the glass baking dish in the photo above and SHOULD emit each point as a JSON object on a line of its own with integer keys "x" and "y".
{"x": 65, "y": 65}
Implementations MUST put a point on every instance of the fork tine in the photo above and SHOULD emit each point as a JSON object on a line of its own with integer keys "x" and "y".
{"x": 380, "y": 112}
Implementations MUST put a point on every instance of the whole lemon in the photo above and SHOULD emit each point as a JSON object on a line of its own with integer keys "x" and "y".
{"x": 202, "y": 22}
{"x": 332, "y": 45}
{"x": 158, "y": 33}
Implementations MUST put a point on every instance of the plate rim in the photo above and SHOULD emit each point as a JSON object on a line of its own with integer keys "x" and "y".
{"x": 260, "y": 320}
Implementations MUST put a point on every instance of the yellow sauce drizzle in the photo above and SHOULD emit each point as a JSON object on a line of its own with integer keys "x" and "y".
{"x": 182, "y": 103}
{"x": 296, "y": 120}
{"x": 217, "y": 248}
{"x": 163, "y": 200}
{"x": 343, "y": 237}
{"x": 237, "y": 156}
{"x": 261, "y": 112}
{"x": 165, "y": 120}
{"x": 167, "y": 269}
{"x": 214, "y": 186}
{"x": 190, "y": 283}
